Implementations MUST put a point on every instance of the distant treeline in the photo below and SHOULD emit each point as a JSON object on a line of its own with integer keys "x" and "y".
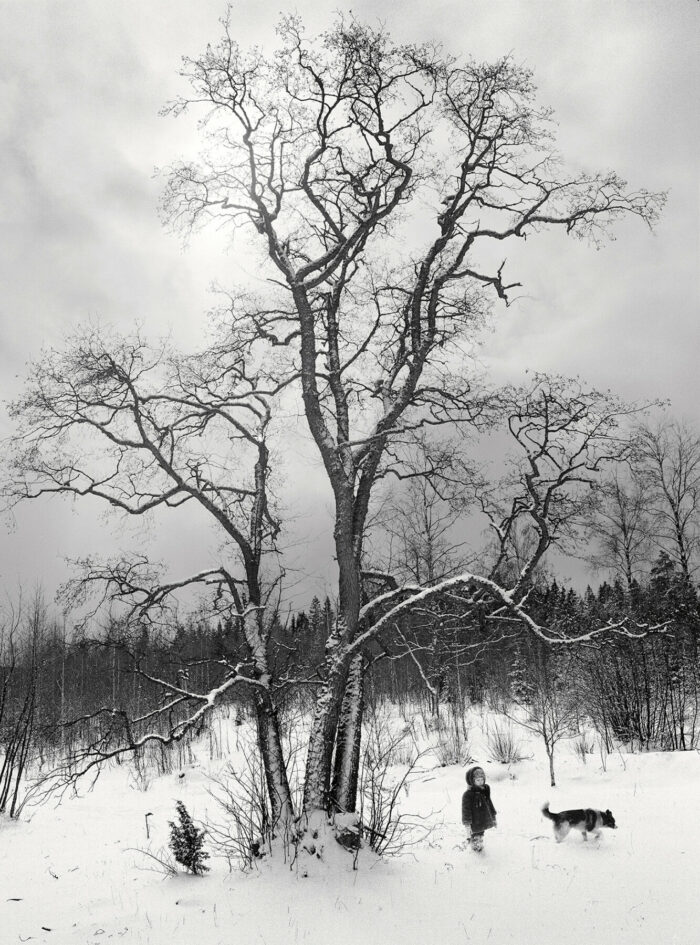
{"x": 638, "y": 683}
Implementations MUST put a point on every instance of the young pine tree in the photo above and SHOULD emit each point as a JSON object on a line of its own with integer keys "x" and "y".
{"x": 186, "y": 842}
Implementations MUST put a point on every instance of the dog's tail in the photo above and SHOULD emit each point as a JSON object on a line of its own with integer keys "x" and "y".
{"x": 546, "y": 812}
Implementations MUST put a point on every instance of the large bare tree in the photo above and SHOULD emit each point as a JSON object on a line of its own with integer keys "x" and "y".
{"x": 118, "y": 422}
{"x": 380, "y": 182}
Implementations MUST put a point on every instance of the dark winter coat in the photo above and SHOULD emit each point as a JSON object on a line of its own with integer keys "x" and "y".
{"x": 478, "y": 811}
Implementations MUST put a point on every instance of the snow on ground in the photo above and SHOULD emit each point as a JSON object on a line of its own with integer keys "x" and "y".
{"x": 73, "y": 875}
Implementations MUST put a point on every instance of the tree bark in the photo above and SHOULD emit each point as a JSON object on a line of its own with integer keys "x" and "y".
{"x": 324, "y": 724}
{"x": 270, "y": 744}
{"x": 347, "y": 752}
{"x": 269, "y": 740}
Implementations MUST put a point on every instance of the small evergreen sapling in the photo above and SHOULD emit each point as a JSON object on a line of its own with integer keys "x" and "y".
{"x": 186, "y": 842}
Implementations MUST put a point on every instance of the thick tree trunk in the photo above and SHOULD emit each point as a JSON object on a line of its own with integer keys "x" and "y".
{"x": 324, "y": 734}
{"x": 324, "y": 724}
{"x": 350, "y": 704}
{"x": 270, "y": 744}
{"x": 269, "y": 740}
{"x": 337, "y": 457}
{"x": 347, "y": 751}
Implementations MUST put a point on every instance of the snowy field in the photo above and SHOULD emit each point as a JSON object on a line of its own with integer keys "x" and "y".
{"x": 73, "y": 874}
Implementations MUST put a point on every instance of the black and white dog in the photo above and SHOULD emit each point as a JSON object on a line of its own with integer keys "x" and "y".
{"x": 587, "y": 820}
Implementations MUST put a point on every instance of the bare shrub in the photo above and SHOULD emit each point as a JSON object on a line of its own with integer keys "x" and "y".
{"x": 294, "y": 733}
{"x": 503, "y": 745}
{"x": 150, "y": 761}
{"x": 451, "y": 751}
{"x": 214, "y": 743}
{"x": 389, "y": 831}
{"x": 583, "y": 747}
{"x": 431, "y": 721}
{"x": 140, "y": 775}
{"x": 185, "y": 755}
{"x": 19, "y": 678}
{"x": 163, "y": 859}
{"x": 246, "y": 832}
{"x": 453, "y": 746}
{"x": 16, "y": 753}
{"x": 405, "y": 748}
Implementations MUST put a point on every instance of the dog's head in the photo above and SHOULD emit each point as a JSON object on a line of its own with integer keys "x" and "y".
{"x": 609, "y": 820}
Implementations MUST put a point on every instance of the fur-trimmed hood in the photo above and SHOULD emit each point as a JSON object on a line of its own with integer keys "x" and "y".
{"x": 470, "y": 774}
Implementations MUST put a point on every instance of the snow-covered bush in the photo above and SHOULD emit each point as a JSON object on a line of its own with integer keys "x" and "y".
{"x": 187, "y": 842}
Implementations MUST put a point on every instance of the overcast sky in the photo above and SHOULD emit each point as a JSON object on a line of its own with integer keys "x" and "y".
{"x": 81, "y": 84}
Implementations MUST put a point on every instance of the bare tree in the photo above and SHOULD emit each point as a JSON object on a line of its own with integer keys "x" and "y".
{"x": 21, "y": 637}
{"x": 548, "y": 703}
{"x": 138, "y": 428}
{"x": 564, "y": 438}
{"x": 419, "y": 542}
{"x": 153, "y": 424}
{"x": 378, "y": 180}
{"x": 670, "y": 463}
{"x": 621, "y": 524}
{"x": 329, "y": 154}
{"x": 419, "y": 521}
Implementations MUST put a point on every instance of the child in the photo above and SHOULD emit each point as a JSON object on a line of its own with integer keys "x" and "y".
{"x": 478, "y": 812}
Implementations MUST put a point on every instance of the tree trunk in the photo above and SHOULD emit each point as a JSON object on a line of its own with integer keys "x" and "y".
{"x": 270, "y": 744}
{"x": 347, "y": 752}
{"x": 324, "y": 724}
{"x": 269, "y": 740}
{"x": 325, "y": 734}
{"x": 550, "y": 755}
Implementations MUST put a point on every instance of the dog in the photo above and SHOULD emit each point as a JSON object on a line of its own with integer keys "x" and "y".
{"x": 587, "y": 820}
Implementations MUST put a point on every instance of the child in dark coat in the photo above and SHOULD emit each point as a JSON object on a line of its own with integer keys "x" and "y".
{"x": 478, "y": 812}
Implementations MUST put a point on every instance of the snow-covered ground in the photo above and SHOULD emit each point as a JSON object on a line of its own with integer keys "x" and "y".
{"x": 73, "y": 875}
